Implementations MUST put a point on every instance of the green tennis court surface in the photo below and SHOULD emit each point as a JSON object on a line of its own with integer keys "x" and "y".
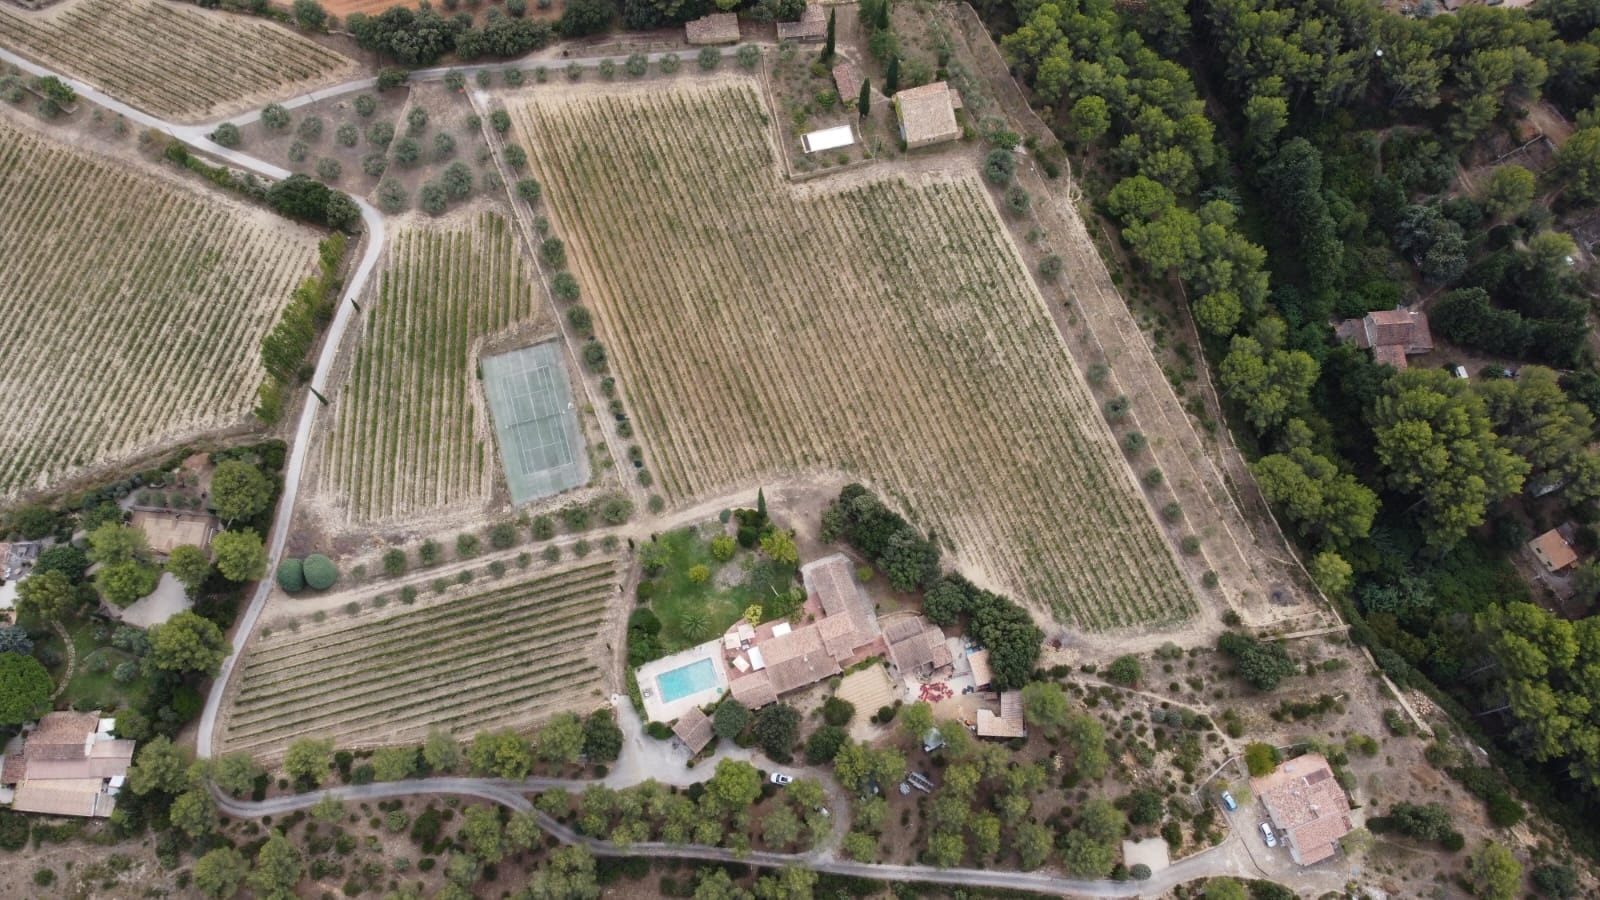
{"x": 535, "y": 422}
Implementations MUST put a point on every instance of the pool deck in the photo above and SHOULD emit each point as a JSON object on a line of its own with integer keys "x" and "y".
{"x": 658, "y": 710}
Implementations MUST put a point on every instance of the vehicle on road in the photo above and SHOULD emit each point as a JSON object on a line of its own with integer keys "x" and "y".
{"x": 1266, "y": 832}
{"x": 1229, "y": 802}
{"x": 781, "y": 779}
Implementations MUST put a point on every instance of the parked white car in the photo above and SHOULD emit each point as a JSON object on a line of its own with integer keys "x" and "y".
{"x": 1266, "y": 832}
{"x": 780, "y": 779}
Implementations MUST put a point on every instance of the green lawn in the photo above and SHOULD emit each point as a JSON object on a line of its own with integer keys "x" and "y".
{"x": 90, "y": 689}
{"x": 694, "y": 613}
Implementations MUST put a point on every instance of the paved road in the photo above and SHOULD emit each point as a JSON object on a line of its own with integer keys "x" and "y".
{"x": 1217, "y": 861}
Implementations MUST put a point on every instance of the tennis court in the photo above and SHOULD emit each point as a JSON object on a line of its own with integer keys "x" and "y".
{"x": 535, "y": 421}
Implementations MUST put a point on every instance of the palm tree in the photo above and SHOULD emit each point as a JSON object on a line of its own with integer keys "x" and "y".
{"x": 693, "y": 625}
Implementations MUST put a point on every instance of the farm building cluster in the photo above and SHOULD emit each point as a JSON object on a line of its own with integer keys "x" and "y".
{"x": 759, "y": 664}
{"x": 68, "y": 764}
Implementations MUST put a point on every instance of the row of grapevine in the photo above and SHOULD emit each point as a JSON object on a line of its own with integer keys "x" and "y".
{"x": 889, "y": 330}
{"x": 405, "y": 437}
{"x": 132, "y": 308}
{"x": 167, "y": 59}
{"x": 509, "y": 656}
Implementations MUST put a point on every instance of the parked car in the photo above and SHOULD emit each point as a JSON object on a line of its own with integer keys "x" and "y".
{"x": 1229, "y": 802}
{"x": 781, "y": 779}
{"x": 1266, "y": 832}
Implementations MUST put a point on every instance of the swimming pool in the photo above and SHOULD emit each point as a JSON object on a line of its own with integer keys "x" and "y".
{"x": 683, "y": 681}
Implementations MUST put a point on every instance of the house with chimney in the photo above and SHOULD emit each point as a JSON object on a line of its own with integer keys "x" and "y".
{"x": 1307, "y": 806}
{"x": 1391, "y": 335}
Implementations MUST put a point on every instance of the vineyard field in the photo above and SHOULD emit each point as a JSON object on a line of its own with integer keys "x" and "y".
{"x": 168, "y": 59}
{"x": 507, "y": 657}
{"x": 887, "y": 328}
{"x": 133, "y": 308}
{"x": 407, "y": 436}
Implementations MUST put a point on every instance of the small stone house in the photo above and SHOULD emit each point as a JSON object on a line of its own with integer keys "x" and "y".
{"x": 927, "y": 115}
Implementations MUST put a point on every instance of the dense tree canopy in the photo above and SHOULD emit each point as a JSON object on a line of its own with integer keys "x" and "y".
{"x": 188, "y": 643}
{"x": 1550, "y": 666}
{"x": 239, "y": 490}
{"x": 25, "y": 688}
{"x": 1324, "y": 503}
{"x": 1434, "y": 441}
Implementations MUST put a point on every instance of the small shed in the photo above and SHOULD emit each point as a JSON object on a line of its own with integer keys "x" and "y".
{"x": 828, "y": 139}
{"x": 1553, "y": 551}
{"x": 847, "y": 80}
{"x": 1008, "y": 724}
{"x": 694, "y": 729}
{"x": 927, "y": 115}
{"x": 812, "y": 27}
{"x": 717, "y": 28}
{"x": 981, "y": 674}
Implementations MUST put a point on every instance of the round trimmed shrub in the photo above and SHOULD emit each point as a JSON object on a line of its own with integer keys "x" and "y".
{"x": 320, "y": 572}
{"x": 291, "y": 575}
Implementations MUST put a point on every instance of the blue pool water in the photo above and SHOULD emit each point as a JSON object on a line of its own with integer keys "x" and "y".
{"x": 685, "y": 680}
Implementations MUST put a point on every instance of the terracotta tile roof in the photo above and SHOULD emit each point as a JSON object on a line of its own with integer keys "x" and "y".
{"x": 916, "y": 646}
{"x": 61, "y": 735}
{"x": 900, "y": 629}
{"x": 1304, "y": 800}
{"x": 717, "y": 28}
{"x": 1404, "y": 328}
{"x": 926, "y": 114}
{"x": 832, "y": 580}
{"x": 1553, "y": 550}
{"x": 754, "y": 690}
{"x": 1389, "y": 355}
{"x": 798, "y": 671}
{"x": 847, "y": 79}
{"x": 63, "y": 798}
{"x": 798, "y": 642}
{"x": 813, "y": 26}
{"x": 694, "y": 729}
{"x": 13, "y": 770}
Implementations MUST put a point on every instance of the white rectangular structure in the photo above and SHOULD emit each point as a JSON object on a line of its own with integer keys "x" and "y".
{"x": 828, "y": 139}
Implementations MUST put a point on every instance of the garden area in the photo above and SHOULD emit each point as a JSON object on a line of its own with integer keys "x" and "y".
{"x": 698, "y": 581}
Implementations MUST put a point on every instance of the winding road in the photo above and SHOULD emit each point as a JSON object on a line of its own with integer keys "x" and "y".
{"x": 513, "y": 795}
{"x": 641, "y": 755}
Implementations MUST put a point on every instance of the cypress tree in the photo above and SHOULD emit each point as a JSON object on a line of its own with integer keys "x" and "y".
{"x": 864, "y": 102}
{"x": 891, "y": 78}
{"x": 761, "y": 504}
{"x": 827, "y": 46}
{"x": 883, "y": 15}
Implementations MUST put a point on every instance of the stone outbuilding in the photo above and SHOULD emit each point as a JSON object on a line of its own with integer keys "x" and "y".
{"x": 717, "y": 28}
{"x": 927, "y": 115}
{"x": 812, "y": 27}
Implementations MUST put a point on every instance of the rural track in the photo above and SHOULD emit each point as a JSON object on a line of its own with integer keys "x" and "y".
{"x": 1209, "y": 863}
